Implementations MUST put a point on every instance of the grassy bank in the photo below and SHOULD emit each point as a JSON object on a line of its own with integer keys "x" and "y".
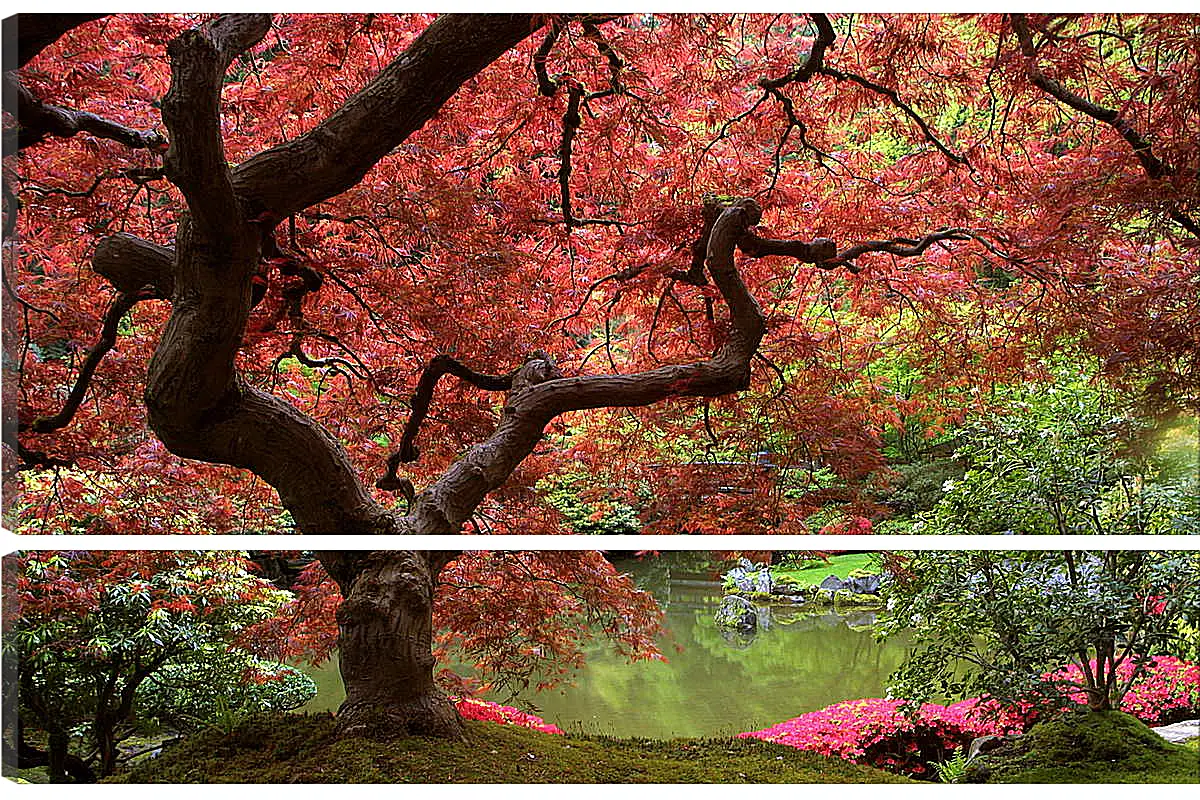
{"x": 811, "y": 573}
{"x": 302, "y": 749}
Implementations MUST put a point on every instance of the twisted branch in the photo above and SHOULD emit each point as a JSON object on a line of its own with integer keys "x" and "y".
{"x": 812, "y": 62}
{"x": 547, "y": 86}
{"x": 900, "y": 246}
{"x": 438, "y": 366}
{"x": 108, "y": 337}
{"x": 36, "y": 120}
{"x": 1152, "y": 165}
{"x": 26, "y": 35}
{"x": 571, "y": 123}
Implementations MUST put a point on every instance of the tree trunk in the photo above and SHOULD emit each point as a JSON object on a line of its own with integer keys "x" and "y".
{"x": 106, "y": 742}
{"x": 1098, "y": 699}
{"x": 56, "y": 764}
{"x": 22, "y": 755}
{"x": 1106, "y": 677}
{"x": 385, "y": 641}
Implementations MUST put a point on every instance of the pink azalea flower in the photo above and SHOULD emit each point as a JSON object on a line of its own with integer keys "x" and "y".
{"x": 877, "y": 732}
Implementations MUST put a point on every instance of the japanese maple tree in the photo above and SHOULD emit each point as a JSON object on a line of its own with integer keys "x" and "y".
{"x": 244, "y": 250}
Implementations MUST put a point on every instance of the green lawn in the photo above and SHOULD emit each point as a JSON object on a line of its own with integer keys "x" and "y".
{"x": 811, "y": 573}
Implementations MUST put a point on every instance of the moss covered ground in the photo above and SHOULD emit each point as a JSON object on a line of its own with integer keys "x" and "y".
{"x": 1089, "y": 747}
{"x": 303, "y": 749}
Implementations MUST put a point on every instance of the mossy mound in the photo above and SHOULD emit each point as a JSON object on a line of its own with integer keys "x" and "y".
{"x": 1088, "y": 747}
{"x": 303, "y": 749}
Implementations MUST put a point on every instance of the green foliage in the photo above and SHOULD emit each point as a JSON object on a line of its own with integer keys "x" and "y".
{"x": 1061, "y": 460}
{"x": 921, "y": 484}
{"x": 1188, "y": 647}
{"x": 914, "y": 434}
{"x": 591, "y": 517}
{"x": 1108, "y": 747}
{"x": 222, "y": 691}
{"x": 953, "y": 769}
{"x": 997, "y": 622}
{"x": 107, "y": 644}
{"x": 303, "y": 749}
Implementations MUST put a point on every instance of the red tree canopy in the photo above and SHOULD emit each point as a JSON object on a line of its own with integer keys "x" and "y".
{"x": 516, "y": 619}
{"x": 998, "y": 189}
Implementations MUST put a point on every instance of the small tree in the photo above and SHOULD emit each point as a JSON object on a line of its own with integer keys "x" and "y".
{"x": 98, "y": 641}
{"x": 1003, "y": 624}
{"x": 1061, "y": 458}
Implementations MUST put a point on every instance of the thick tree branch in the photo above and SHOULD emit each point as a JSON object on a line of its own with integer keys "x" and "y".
{"x": 200, "y": 408}
{"x": 337, "y": 153}
{"x": 32, "y": 33}
{"x": 547, "y": 86}
{"x": 449, "y": 502}
{"x": 751, "y": 244}
{"x": 198, "y": 404}
{"x": 130, "y": 264}
{"x": 422, "y": 397}
{"x": 812, "y": 62}
{"x": 615, "y": 64}
{"x": 814, "y": 252}
{"x": 536, "y": 400}
{"x": 571, "y": 123}
{"x": 438, "y": 559}
{"x": 195, "y": 161}
{"x": 898, "y": 247}
{"x": 694, "y": 275}
{"x": 1151, "y": 164}
{"x": 309, "y": 468}
{"x": 108, "y": 337}
{"x": 26, "y": 36}
{"x": 438, "y": 366}
{"x": 37, "y": 120}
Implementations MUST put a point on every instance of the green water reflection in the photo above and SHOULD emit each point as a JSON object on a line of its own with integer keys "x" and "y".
{"x": 712, "y": 684}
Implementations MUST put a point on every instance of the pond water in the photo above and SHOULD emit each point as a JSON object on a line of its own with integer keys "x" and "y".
{"x": 713, "y": 683}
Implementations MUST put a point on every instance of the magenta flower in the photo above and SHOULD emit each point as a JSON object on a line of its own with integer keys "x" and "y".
{"x": 470, "y": 708}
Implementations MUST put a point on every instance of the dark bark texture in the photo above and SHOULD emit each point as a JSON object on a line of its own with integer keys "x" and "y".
{"x": 385, "y": 637}
{"x": 26, "y": 35}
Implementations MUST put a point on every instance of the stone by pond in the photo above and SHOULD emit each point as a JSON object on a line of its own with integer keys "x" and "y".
{"x": 751, "y": 591}
{"x": 712, "y": 682}
{"x": 1180, "y": 732}
{"x": 736, "y": 612}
